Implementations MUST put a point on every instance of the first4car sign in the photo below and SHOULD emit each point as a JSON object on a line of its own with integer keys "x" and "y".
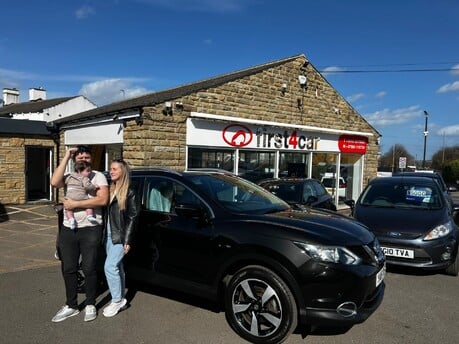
{"x": 201, "y": 132}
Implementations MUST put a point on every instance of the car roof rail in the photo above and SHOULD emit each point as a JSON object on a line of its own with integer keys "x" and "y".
{"x": 153, "y": 168}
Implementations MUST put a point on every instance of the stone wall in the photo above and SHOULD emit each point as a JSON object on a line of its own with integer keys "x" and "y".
{"x": 161, "y": 140}
{"x": 12, "y": 161}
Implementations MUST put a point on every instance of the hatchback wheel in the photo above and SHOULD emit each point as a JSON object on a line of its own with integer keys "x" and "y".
{"x": 259, "y": 306}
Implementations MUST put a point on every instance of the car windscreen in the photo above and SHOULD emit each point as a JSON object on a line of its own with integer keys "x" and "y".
{"x": 289, "y": 192}
{"x": 402, "y": 195}
{"x": 237, "y": 194}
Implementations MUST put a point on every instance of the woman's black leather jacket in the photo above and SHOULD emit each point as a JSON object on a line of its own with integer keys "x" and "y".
{"x": 122, "y": 223}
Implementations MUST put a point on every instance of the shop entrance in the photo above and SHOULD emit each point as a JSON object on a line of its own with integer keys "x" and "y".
{"x": 37, "y": 173}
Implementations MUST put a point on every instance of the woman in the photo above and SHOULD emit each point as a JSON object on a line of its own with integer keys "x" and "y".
{"x": 121, "y": 215}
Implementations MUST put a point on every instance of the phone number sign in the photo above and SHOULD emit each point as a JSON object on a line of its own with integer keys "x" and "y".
{"x": 353, "y": 144}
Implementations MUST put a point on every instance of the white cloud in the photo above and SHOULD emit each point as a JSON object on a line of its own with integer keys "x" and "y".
{"x": 107, "y": 91}
{"x": 381, "y": 94}
{"x": 84, "y": 12}
{"x": 208, "y": 41}
{"x": 451, "y": 87}
{"x": 13, "y": 74}
{"x": 456, "y": 69}
{"x": 389, "y": 117}
{"x": 355, "y": 97}
{"x": 331, "y": 70}
{"x": 452, "y": 130}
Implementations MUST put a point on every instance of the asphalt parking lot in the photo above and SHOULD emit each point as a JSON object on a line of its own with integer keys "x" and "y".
{"x": 417, "y": 308}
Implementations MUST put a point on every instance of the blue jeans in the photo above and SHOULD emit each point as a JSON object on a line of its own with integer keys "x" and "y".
{"x": 114, "y": 270}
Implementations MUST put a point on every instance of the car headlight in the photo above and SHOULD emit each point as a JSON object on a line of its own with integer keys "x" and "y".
{"x": 439, "y": 231}
{"x": 330, "y": 254}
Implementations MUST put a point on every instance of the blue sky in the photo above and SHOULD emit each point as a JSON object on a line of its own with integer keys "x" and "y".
{"x": 99, "y": 47}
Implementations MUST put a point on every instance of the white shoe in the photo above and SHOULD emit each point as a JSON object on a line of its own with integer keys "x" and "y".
{"x": 92, "y": 219}
{"x": 114, "y": 307}
{"x": 72, "y": 223}
{"x": 64, "y": 313}
{"x": 90, "y": 313}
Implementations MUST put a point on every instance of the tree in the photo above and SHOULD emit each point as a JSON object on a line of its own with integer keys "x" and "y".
{"x": 443, "y": 156}
{"x": 389, "y": 161}
{"x": 450, "y": 171}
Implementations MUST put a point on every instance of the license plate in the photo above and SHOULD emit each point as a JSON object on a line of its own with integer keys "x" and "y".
{"x": 398, "y": 252}
{"x": 380, "y": 275}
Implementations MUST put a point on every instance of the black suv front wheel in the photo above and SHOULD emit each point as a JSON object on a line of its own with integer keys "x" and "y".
{"x": 259, "y": 306}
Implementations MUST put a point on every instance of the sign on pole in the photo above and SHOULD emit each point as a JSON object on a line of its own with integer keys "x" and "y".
{"x": 402, "y": 162}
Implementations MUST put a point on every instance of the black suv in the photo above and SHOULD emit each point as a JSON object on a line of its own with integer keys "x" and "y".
{"x": 300, "y": 192}
{"x": 219, "y": 236}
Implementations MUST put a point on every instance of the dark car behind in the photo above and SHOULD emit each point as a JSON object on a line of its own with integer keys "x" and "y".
{"x": 271, "y": 268}
{"x": 436, "y": 176}
{"x": 411, "y": 217}
{"x": 300, "y": 192}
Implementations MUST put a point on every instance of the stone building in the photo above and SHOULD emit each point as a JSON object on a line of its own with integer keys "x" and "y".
{"x": 26, "y": 150}
{"x": 275, "y": 119}
{"x": 28, "y": 143}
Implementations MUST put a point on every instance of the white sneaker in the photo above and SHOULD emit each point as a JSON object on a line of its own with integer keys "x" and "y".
{"x": 64, "y": 313}
{"x": 114, "y": 307}
{"x": 90, "y": 313}
{"x": 92, "y": 219}
{"x": 72, "y": 223}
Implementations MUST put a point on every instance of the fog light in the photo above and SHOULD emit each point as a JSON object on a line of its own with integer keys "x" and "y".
{"x": 347, "y": 309}
{"x": 446, "y": 255}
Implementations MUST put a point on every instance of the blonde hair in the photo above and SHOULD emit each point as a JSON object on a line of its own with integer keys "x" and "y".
{"x": 121, "y": 187}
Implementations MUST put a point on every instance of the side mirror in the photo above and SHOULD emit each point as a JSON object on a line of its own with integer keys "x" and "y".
{"x": 350, "y": 203}
{"x": 311, "y": 199}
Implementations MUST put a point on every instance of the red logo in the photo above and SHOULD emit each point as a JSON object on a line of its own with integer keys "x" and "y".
{"x": 353, "y": 144}
{"x": 237, "y": 135}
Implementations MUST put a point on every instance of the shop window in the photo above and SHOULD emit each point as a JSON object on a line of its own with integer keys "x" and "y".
{"x": 211, "y": 158}
{"x": 255, "y": 166}
{"x": 293, "y": 165}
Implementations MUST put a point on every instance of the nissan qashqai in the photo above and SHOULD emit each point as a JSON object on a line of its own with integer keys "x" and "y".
{"x": 219, "y": 236}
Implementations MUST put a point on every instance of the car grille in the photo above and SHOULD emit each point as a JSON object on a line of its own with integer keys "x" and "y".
{"x": 370, "y": 254}
{"x": 397, "y": 234}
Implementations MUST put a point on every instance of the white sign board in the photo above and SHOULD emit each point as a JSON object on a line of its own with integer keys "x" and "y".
{"x": 237, "y": 135}
{"x": 402, "y": 162}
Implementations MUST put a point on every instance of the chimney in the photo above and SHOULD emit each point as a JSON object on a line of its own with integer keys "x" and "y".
{"x": 10, "y": 96}
{"x": 36, "y": 94}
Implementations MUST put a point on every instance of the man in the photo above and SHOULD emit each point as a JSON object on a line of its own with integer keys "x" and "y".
{"x": 84, "y": 241}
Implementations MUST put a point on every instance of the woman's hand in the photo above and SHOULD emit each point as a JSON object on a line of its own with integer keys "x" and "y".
{"x": 127, "y": 248}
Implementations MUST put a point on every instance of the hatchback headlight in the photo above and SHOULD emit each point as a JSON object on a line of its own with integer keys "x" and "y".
{"x": 329, "y": 254}
{"x": 439, "y": 231}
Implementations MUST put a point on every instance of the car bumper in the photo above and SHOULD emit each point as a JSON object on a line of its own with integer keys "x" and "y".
{"x": 434, "y": 254}
{"x": 331, "y": 317}
{"x": 342, "y": 297}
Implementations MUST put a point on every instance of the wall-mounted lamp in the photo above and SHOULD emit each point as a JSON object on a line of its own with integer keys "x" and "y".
{"x": 167, "y": 111}
{"x": 179, "y": 106}
{"x": 283, "y": 88}
{"x": 139, "y": 121}
{"x": 303, "y": 81}
{"x": 299, "y": 104}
